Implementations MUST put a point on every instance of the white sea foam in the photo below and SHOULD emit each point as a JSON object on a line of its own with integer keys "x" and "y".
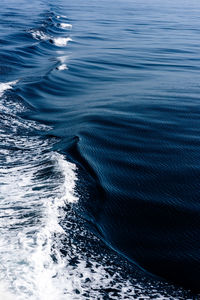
{"x": 39, "y": 35}
{"x": 29, "y": 216}
{"x": 58, "y": 41}
{"x": 66, "y": 26}
{"x": 4, "y": 294}
{"x": 6, "y": 86}
{"x": 61, "y": 16}
{"x": 62, "y": 67}
{"x": 30, "y": 206}
{"x": 26, "y": 263}
{"x": 61, "y": 42}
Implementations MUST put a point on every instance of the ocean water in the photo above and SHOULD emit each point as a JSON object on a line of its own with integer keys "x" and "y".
{"x": 99, "y": 149}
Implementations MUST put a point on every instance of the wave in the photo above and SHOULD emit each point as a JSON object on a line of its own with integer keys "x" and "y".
{"x": 47, "y": 250}
{"x": 6, "y": 86}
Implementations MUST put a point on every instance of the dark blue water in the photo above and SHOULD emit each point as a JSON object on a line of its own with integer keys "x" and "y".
{"x": 100, "y": 146}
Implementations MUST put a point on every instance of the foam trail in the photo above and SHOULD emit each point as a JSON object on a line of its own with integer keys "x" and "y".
{"x": 26, "y": 254}
{"x": 35, "y": 184}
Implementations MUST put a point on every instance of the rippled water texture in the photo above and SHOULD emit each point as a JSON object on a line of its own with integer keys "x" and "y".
{"x": 99, "y": 149}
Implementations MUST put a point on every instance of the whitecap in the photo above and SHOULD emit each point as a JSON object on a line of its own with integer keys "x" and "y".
{"x": 6, "y": 86}
{"x": 39, "y": 35}
{"x": 62, "y": 67}
{"x": 66, "y": 26}
{"x": 61, "y": 42}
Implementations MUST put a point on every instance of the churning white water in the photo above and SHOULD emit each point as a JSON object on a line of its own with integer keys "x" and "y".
{"x": 35, "y": 184}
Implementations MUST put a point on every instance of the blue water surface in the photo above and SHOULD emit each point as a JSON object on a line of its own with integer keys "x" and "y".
{"x": 118, "y": 85}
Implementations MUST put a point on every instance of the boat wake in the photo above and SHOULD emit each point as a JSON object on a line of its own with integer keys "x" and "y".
{"x": 46, "y": 249}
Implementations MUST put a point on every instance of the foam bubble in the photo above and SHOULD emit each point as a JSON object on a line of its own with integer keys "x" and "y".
{"x": 66, "y": 26}
{"x": 61, "y": 42}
